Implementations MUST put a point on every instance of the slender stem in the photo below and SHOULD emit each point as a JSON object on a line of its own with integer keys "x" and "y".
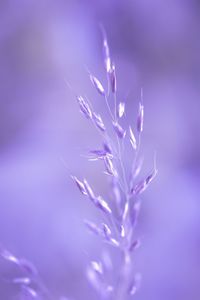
{"x": 115, "y": 101}
{"x": 136, "y": 156}
{"x": 118, "y": 154}
{"x": 122, "y": 167}
{"x": 119, "y": 147}
{"x": 113, "y": 224}
{"x": 109, "y": 109}
{"x": 108, "y": 84}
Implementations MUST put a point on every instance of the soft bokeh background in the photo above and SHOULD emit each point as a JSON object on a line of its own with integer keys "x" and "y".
{"x": 43, "y": 44}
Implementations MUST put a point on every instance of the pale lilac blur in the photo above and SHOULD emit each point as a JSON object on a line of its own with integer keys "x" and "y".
{"x": 46, "y": 48}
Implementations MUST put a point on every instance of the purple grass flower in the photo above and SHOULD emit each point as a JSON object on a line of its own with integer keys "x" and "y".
{"x": 121, "y": 109}
{"x": 134, "y": 284}
{"x": 98, "y": 122}
{"x": 139, "y": 187}
{"x": 110, "y": 169}
{"x": 151, "y": 176}
{"x": 97, "y": 84}
{"x": 136, "y": 168}
{"x": 103, "y": 205}
{"x": 92, "y": 227}
{"x": 122, "y": 231}
{"x": 84, "y": 107}
{"x": 97, "y": 267}
{"x": 106, "y": 54}
{"x": 113, "y": 242}
{"x": 119, "y": 215}
{"x": 120, "y": 218}
{"x": 80, "y": 185}
{"x": 97, "y": 154}
{"x": 126, "y": 211}
{"x": 140, "y": 120}
{"x": 132, "y": 138}
{"x": 144, "y": 183}
{"x": 121, "y": 133}
{"x": 9, "y": 256}
{"x": 106, "y": 231}
{"x": 30, "y": 277}
{"x": 29, "y": 293}
{"x": 113, "y": 80}
{"x": 107, "y": 148}
{"x": 135, "y": 245}
{"x": 89, "y": 191}
{"x": 94, "y": 278}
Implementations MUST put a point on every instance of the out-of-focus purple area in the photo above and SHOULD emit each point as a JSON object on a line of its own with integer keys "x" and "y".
{"x": 45, "y": 46}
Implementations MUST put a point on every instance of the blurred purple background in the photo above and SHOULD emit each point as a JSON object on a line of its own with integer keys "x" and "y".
{"x": 43, "y": 44}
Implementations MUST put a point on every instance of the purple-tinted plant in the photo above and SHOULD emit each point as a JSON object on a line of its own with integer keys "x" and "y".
{"x": 28, "y": 276}
{"x": 28, "y": 280}
{"x": 119, "y": 217}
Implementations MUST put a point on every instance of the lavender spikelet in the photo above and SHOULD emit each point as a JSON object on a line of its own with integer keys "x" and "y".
{"x": 119, "y": 130}
{"x": 97, "y": 84}
{"x": 103, "y": 205}
{"x": 110, "y": 170}
{"x": 144, "y": 183}
{"x": 106, "y": 54}
{"x": 84, "y": 107}
{"x": 140, "y": 120}
{"x": 98, "y": 122}
{"x": 80, "y": 185}
{"x": 121, "y": 109}
{"x": 89, "y": 191}
{"x": 122, "y": 213}
{"x": 93, "y": 228}
{"x": 132, "y": 138}
{"x": 113, "y": 80}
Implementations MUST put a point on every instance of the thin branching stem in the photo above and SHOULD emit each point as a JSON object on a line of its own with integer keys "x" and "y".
{"x": 108, "y": 106}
